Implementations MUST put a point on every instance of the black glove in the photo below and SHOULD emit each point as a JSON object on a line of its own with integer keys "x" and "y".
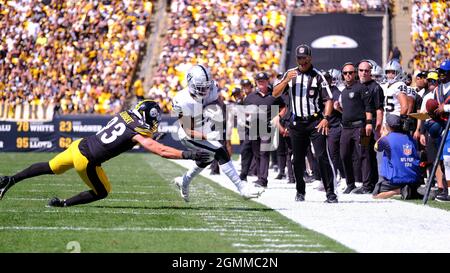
{"x": 196, "y": 155}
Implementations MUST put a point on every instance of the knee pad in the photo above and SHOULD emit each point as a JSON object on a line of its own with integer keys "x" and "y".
{"x": 222, "y": 156}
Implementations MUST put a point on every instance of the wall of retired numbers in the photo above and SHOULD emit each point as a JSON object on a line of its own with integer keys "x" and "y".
{"x": 58, "y": 134}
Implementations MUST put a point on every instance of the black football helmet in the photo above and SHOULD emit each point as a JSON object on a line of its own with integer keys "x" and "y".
{"x": 149, "y": 112}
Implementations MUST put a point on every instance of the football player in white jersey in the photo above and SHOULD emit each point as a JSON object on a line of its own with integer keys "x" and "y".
{"x": 395, "y": 91}
{"x": 196, "y": 110}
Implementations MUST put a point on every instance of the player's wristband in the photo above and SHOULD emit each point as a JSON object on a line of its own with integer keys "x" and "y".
{"x": 368, "y": 121}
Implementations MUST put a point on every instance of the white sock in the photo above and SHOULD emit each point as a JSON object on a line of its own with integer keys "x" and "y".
{"x": 230, "y": 171}
{"x": 190, "y": 174}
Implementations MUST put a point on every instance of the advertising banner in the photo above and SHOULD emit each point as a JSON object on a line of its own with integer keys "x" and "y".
{"x": 58, "y": 134}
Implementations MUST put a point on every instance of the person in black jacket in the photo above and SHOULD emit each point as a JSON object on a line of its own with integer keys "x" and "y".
{"x": 357, "y": 105}
{"x": 365, "y": 77}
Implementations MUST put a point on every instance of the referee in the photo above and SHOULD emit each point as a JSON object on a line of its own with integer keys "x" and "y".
{"x": 311, "y": 105}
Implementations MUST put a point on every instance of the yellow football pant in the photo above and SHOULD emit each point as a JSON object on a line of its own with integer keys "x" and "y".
{"x": 92, "y": 175}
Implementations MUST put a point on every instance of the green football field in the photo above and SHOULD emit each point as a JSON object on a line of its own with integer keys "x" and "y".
{"x": 144, "y": 213}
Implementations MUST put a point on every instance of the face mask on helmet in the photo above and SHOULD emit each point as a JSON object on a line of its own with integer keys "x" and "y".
{"x": 335, "y": 76}
{"x": 393, "y": 71}
{"x": 199, "y": 81}
{"x": 149, "y": 113}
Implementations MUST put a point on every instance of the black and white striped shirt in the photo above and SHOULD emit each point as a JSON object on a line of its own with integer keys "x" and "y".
{"x": 307, "y": 92}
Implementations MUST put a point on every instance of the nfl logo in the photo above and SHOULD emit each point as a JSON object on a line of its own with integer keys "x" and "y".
{"x": 407, "y": 149}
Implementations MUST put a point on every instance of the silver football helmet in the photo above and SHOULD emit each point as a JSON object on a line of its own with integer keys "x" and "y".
{"x": 336, "y": 76}
{"x": 393, "y": 65}
{"x": 372, "y": 63}
{"x": 377, "y": 74}
{"x": 199, "y": 81}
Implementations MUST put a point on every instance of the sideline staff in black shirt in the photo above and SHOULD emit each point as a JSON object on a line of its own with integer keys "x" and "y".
{"x": 262, "y": 100}
{"x": 357, "y": 107}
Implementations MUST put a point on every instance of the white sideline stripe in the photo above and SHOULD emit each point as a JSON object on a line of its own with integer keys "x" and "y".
{"x": 276, "y": 240}
{"x": 112, "y": 192}
{"x": 72, "y": 228}
{"x": 106, "y": 199}
{"x": 273, "y": 228}
{"x": 81, "y": 184}
{"x": 64, "y": 228}
{"x": 70, "y": 210}
{"x": 277, "y": 245}
{"x": 103, "y": 211}
{"x": 242, "y": 220}
{"x": 262, "y": 233}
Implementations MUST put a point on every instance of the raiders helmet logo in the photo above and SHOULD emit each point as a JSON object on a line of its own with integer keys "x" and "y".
{"x": 351, "y": 95}
{"x": 302, "y": 50}
{"x": 311, "y": 92}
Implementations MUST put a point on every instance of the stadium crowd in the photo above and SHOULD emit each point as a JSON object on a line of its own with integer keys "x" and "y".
{"x": 223, "y": 35}
{"x": 78, "y": 55}
{"x": 81, "y": 56}
{"x": 430, "y": 33}
{"x": 330, "y": 6}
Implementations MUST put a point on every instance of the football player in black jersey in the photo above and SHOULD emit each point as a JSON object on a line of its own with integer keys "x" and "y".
{"x": 86, "y": 155}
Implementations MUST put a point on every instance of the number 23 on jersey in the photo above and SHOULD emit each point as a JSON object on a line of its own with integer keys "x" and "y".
{"x": 111, "y": 131}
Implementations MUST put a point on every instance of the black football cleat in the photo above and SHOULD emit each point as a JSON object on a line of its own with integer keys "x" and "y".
{"x": 331, "y": 200}
{"x": 56, "y": 202}
{"x": 6, "y": 182}
{"x": 299, "y": 197}
{"x": 349, "y": 189}
{"x": 443, "y": 198}
{"x": 361, "y": 190}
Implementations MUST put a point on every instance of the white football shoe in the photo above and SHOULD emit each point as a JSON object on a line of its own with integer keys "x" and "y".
{"x": 184, "y": 189}
{"x": 249, "y": 190}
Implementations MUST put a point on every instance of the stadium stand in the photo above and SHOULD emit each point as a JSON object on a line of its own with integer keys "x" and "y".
{"x": 331, "y": 6}
{"x": 235, "y": 39}
{"x": 430, "y": 39}
{"x": 77, "y": 55}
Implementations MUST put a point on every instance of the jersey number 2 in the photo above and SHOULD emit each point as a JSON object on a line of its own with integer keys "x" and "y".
{"x": 118, "y": 129}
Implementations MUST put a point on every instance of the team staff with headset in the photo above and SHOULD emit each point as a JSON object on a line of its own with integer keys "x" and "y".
{"x": 356, "y": 104}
